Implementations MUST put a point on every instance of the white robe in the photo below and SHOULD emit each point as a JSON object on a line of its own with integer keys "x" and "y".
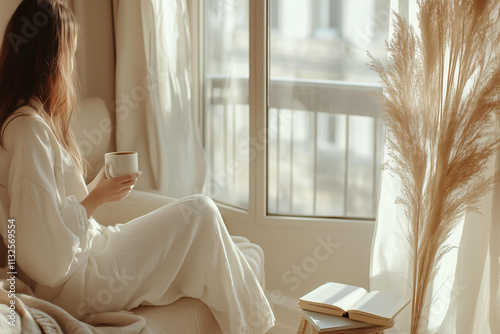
{"x": 182, "y": 249}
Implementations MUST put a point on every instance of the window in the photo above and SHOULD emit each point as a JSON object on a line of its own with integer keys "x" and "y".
{"x": 275, "y": 14}
{"x": 226, "y": 64}
{"x": 327, "y": 18}
{"x": 291, "y": 125}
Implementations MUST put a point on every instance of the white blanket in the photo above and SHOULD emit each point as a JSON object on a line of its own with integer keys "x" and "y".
{"x": 24, "y": 313}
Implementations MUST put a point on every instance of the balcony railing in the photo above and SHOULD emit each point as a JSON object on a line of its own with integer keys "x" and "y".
{"x": 324, "y": 146}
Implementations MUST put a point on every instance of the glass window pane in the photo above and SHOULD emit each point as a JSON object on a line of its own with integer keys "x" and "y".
{"x": 331, "y": 166}
{"x": 226, "y": 72}
{"x": 324, "y": 136}
{"x": 360, "y": 166}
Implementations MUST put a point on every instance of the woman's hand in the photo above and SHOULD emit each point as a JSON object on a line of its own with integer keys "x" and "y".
{"x": 104, "y": 190}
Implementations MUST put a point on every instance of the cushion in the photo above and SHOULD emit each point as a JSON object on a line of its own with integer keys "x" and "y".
{"x": 93, "y": 128}
{"x": 187, "y": 315}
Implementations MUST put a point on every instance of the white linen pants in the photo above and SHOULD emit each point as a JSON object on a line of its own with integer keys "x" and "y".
{"x": 180, "y": 250}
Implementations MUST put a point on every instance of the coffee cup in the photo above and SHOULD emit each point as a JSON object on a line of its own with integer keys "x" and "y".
{"x": 120, "y": 163}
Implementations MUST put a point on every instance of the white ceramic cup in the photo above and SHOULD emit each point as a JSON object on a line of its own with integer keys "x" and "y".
{"x": 120, "y": 163}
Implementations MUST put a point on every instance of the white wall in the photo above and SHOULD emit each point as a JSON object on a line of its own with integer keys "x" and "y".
{"x": 297, "y": 260}
{"x": 7, "y": 8}
{"x": 96, "y": 48}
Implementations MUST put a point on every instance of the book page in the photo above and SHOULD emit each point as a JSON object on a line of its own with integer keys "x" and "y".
{"x": 340, "y": 295}
{"x": 380, "y": 304}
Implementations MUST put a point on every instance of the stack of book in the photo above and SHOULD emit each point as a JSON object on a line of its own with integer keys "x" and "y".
{"x": 336, "y": 306}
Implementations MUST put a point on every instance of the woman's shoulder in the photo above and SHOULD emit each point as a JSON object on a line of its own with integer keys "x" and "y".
{"x": 25, "y": 123}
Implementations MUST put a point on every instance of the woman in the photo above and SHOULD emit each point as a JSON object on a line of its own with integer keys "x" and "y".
{"x": 182, "y": 249}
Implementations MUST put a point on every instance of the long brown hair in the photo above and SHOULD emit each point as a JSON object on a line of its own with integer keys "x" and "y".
{"x": 36, "y": 64}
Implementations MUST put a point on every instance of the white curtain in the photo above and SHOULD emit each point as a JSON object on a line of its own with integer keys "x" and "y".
{"x": 154, "y": 112}
{"x": 465, "y": 295}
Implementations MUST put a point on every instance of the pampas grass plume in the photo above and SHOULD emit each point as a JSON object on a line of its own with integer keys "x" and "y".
{"x": 441, "y": 99}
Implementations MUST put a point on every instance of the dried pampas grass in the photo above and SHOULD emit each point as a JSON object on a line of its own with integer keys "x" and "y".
{"x": 441, "y": 99}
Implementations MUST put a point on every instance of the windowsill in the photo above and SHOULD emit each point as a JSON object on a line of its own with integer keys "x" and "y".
{"x": 244, "y": 216}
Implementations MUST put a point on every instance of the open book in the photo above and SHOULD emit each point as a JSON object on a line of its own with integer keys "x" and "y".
{"x": 355, "y": 303}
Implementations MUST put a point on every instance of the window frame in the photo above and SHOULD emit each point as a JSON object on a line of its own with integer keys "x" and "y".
{"x": 258, "y": 107}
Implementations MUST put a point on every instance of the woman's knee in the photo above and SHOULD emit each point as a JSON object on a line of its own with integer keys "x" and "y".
{"x": 199, "y": 206}
{"x": 204, "y": 204}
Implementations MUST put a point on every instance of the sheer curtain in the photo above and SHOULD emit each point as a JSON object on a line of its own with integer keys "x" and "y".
{"x": 154, "y": 115}
{"x": 465, "y": 296}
